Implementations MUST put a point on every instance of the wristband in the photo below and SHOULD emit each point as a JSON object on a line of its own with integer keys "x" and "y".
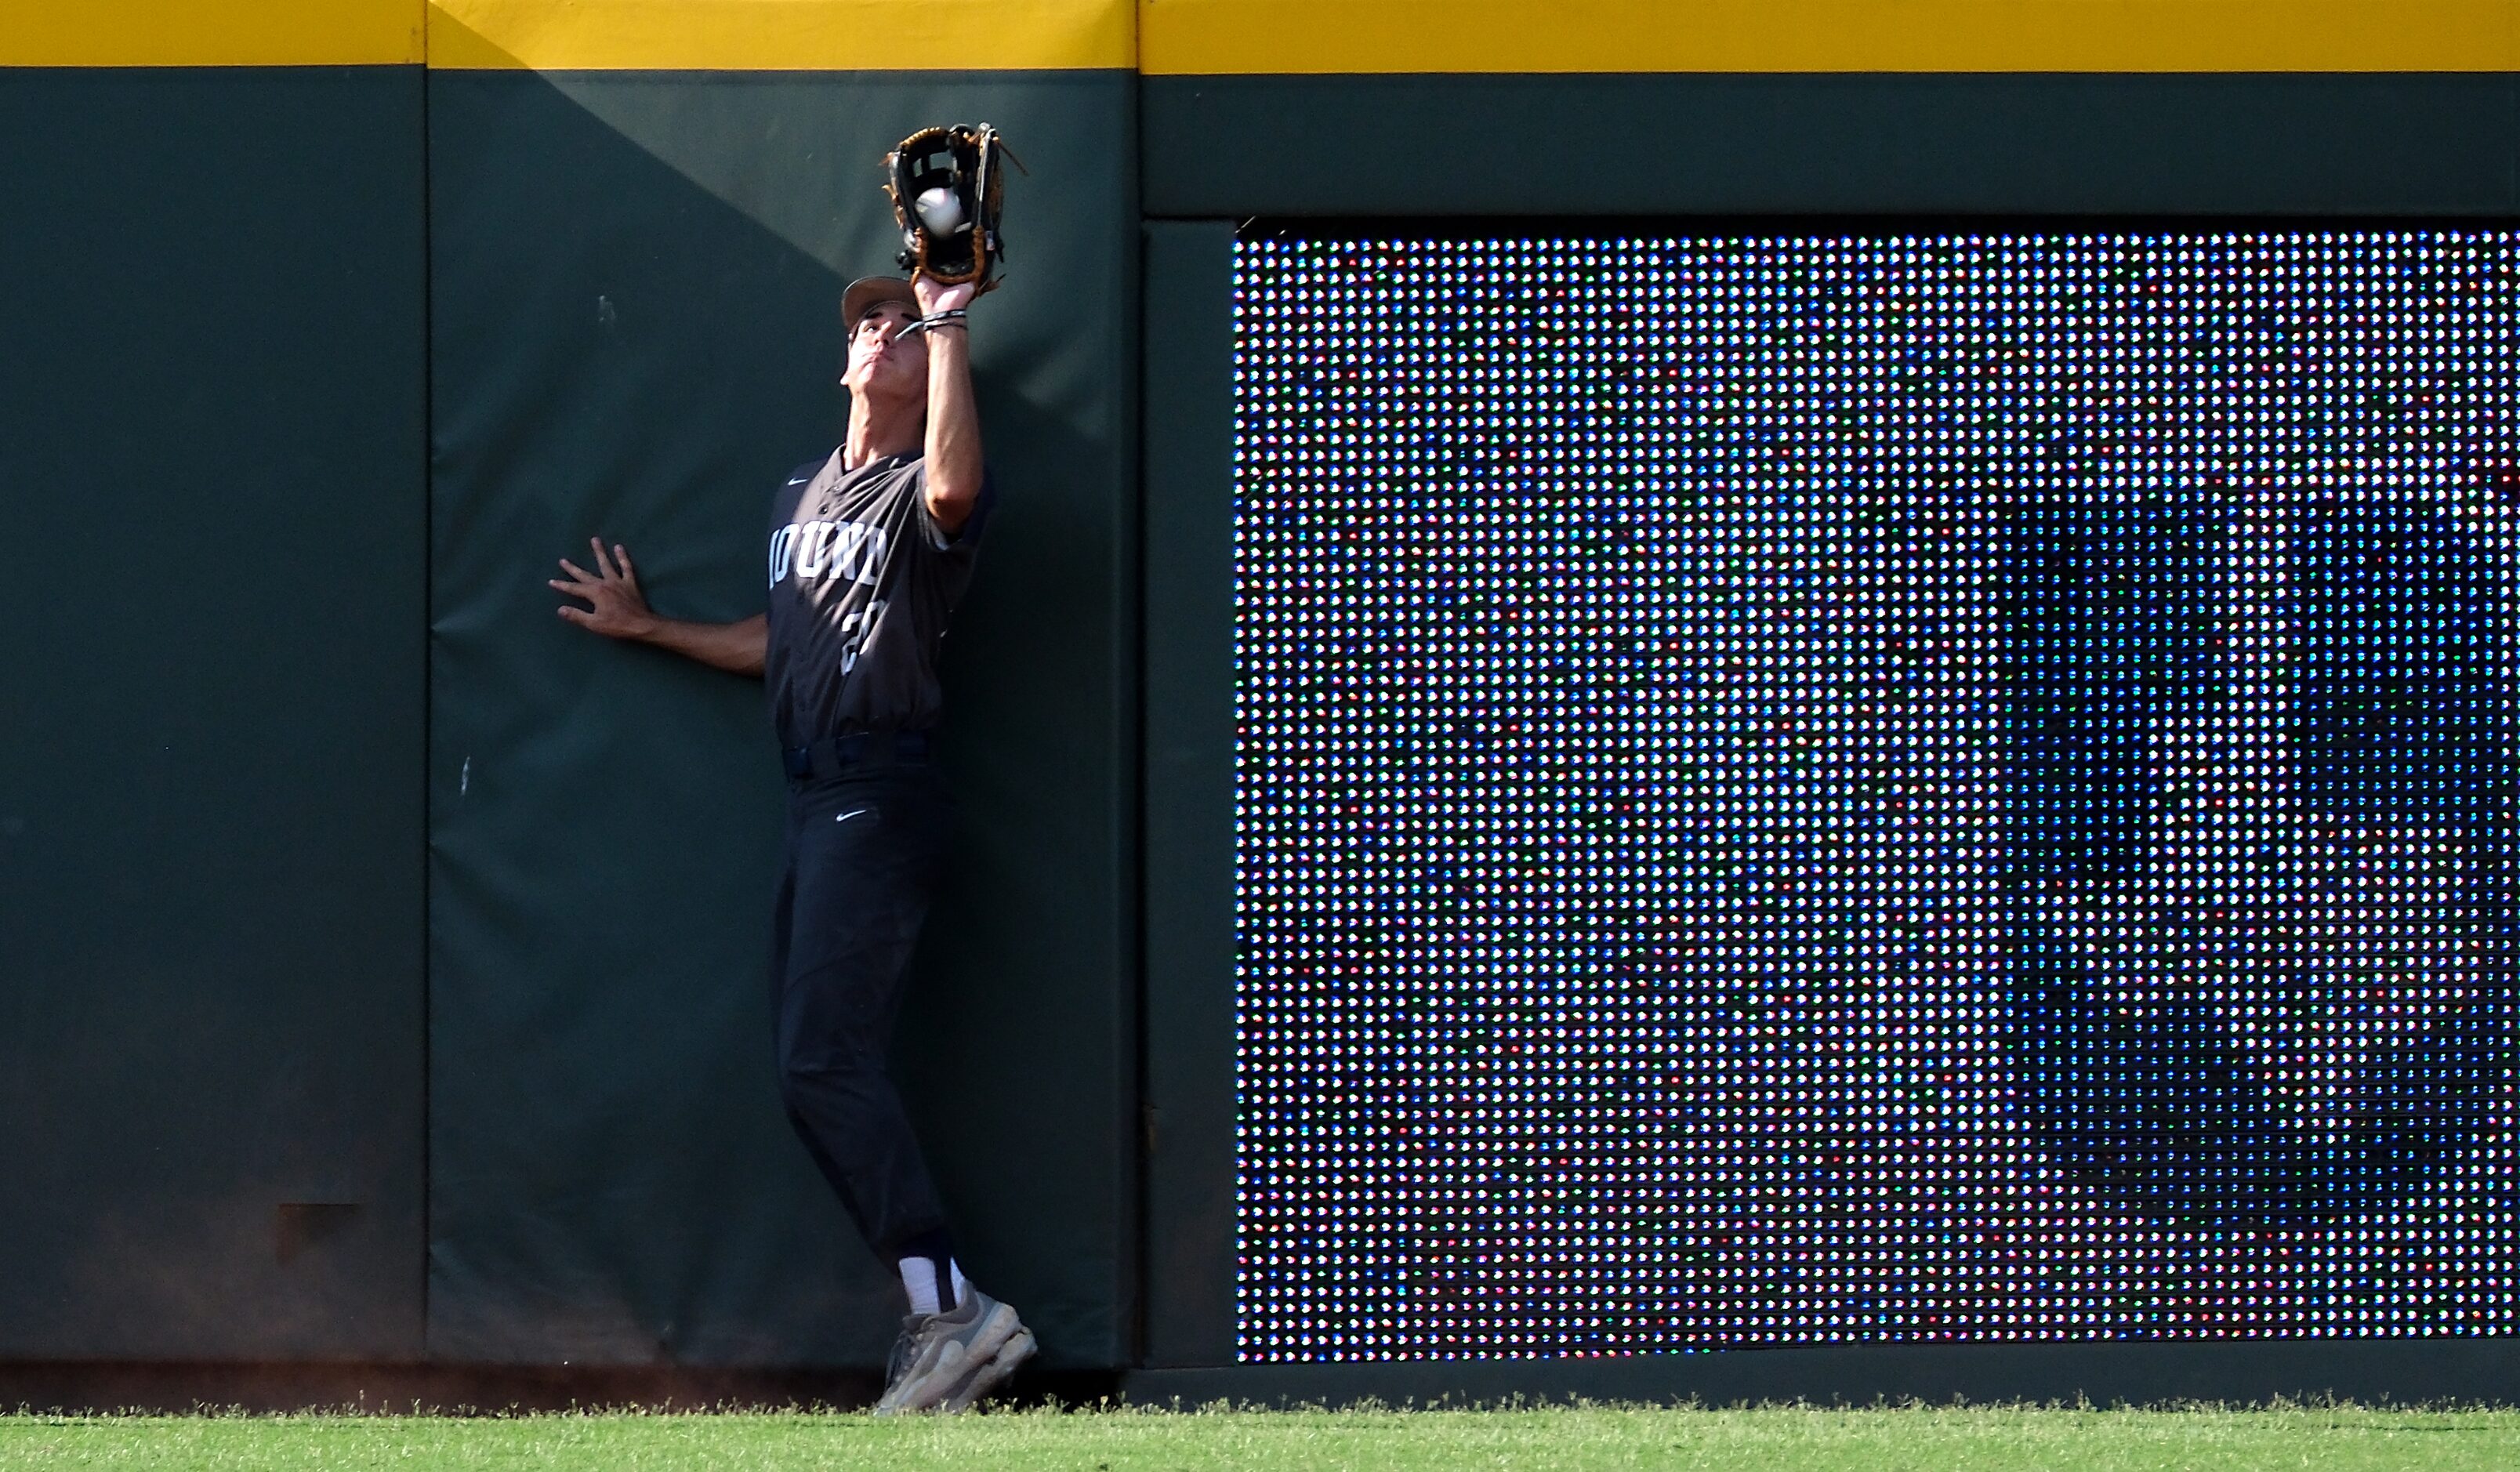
{"x": 951, "y": 318}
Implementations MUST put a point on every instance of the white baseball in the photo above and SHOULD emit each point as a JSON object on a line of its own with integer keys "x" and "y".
{"x": 940, "y": 211}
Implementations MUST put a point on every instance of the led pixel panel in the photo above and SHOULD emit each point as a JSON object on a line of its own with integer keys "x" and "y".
{"x": 1823, "y": 789}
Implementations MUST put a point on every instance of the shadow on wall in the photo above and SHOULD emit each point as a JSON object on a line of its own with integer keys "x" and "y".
{"x": 634, "y": 288}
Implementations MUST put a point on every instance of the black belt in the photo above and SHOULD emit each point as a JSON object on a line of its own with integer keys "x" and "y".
{"x": 833, "y": 755}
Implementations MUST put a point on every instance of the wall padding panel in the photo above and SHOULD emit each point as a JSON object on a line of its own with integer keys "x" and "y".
{"x": 1883, "y": 143}
{"x": 212, "y": 537}
{"x": 635, "y": 283}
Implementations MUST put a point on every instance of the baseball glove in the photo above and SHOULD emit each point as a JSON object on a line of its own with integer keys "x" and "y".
{"x": 946, "y": 187}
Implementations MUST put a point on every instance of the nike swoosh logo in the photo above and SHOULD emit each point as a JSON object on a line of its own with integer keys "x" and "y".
{"x": 845, "y": 816}
{"x": 801, "y": 481}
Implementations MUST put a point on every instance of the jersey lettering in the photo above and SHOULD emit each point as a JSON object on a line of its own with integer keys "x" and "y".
{"x": 848, "y": 550}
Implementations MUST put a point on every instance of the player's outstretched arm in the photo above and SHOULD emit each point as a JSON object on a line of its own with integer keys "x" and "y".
{"x": 617, "y": 609}
{"x": 953, "y": 449}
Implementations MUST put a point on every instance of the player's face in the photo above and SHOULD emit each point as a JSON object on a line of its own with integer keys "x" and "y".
{"x": 881, "y": 360}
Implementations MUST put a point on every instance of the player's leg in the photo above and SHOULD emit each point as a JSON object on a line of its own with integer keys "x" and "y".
{"x": 866, "y": 860}
{"x": 783, "y": 918}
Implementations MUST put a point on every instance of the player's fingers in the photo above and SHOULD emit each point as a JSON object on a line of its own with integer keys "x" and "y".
{"x": 574, "y": 615}
{"x": 629, "y": 574}
{"x": 602, "y": 558}
{"x": 578, "y": 573}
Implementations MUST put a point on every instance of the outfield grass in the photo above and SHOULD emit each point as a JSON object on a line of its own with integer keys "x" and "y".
{"x": 1441, "y": 1441}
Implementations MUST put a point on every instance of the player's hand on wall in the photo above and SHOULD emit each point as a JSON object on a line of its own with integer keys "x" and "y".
{"x": 618, "y": 609}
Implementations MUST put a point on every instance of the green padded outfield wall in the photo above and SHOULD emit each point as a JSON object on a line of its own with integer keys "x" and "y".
{"x": 212, "y": 562}
{"x": 381, "y": 961}
{"x": 634, "y": 283}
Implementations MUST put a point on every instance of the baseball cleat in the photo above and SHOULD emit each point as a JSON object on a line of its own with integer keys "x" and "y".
{"x": 989, "y": 1378}
{"x": 938, "y": 1353}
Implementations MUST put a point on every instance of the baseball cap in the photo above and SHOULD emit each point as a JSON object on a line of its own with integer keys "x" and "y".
{"x": 869, "y": 291}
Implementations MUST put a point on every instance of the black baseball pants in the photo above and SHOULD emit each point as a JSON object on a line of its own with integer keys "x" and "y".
{"x": 865, "y": 851}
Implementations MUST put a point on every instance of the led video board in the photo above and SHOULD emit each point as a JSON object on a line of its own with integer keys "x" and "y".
{"x": 1822, "y": 790}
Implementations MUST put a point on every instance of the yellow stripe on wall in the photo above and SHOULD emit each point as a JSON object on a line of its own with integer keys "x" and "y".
{"x": 1197, "y": 37}
{"x": 1211, "y": 38}
{"x": 211, "y": 32}
{"x": 750, "y": 35}
{"x": 677, "y": 35}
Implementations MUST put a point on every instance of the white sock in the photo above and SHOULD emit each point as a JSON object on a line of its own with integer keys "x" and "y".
{"x": 919, "y": 1279}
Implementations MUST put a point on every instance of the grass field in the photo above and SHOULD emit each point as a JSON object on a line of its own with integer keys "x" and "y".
{"x": 2333, "y": 1440}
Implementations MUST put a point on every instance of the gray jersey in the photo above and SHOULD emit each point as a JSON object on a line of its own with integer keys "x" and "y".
{"x": 862, "y": 581}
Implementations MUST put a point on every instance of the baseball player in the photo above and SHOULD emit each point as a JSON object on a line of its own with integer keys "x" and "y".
{"x": 871, "y": 549}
